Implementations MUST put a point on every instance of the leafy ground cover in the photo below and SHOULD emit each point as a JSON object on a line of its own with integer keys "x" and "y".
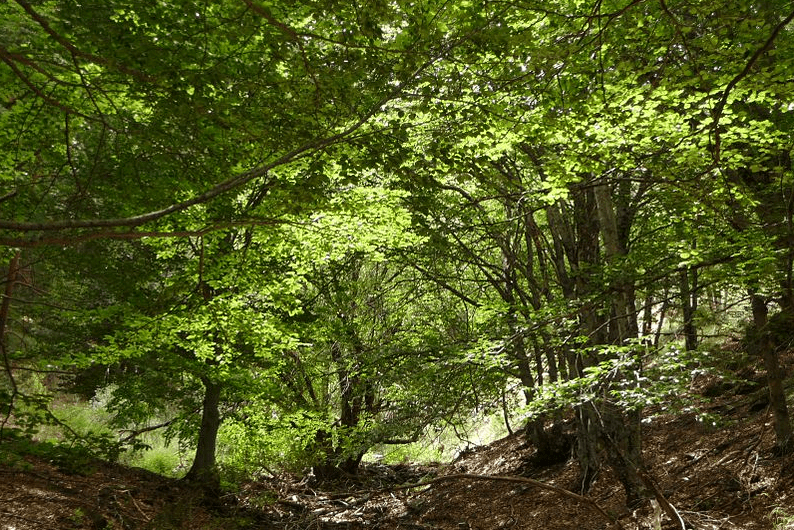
{"x": 715, "y": 464}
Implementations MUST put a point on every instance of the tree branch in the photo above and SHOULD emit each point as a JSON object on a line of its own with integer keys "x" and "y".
{"x": 741, "y": 75}
{"x": 74, "y": 50}
{"x": 134, "y": 433}
{"x": 228, "y": 185}
{"x": 22, "y": 242}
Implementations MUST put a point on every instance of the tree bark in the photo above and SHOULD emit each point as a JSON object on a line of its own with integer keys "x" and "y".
{"x": 621, "y": 427}
{"x": 5, "y": 310}
{"x": 777, "y": 396}
{"x": 204, "y": 470}
{"x": 688, "y": 306}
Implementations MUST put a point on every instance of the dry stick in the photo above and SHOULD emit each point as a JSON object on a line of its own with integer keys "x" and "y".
{"x": 668, "y": 508}
{"x": 146, "y": 518}
{"x": 521, "y": 480}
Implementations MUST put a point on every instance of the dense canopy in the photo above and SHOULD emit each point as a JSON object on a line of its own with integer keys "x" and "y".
{"x": 295, "y": 233}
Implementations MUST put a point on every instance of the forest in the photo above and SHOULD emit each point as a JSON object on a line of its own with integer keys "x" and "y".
{"x": 249, "y": 239}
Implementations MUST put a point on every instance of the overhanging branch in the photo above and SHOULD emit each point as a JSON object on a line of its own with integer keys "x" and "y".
{"x": 230, "y": 184}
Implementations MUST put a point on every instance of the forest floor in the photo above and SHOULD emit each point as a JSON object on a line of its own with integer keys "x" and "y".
{"x": 720, "y": 474}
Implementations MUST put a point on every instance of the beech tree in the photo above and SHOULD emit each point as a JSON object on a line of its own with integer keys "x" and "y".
{"x": 326, "y": 210}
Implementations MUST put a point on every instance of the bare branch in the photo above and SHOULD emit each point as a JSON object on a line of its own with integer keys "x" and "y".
{"x": 134, "y": 433}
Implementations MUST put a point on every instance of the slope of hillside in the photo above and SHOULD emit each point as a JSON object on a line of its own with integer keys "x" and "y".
{"x": 720, "y": 474}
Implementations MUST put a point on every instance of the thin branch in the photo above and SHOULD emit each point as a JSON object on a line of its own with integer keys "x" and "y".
{"x": 134, "y": 433}
{"x": 36, "y": 90}
{"x": 74, "y": 50}
{"x": 718, "y": 109}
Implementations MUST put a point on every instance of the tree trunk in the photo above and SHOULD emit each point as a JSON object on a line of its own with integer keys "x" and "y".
{"x": 689, "y": 306}
{"x": 621, "y": 427}
{"x": 657, "y": 337}
{"x": 624, "y": 450}
{"x": 588, "y": 435}
{"x": 5, "y": 310}
{"x": 763, "y": 345}
{"x": 356, "y": 396}
{"x": 204, "y": 471}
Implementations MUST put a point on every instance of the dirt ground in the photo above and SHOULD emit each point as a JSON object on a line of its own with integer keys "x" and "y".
{"x": 717, "y": 477}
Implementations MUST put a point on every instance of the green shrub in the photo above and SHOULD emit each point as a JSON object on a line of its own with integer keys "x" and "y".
{"x": 781, "y": 519}
{"x": 160, "y": 457}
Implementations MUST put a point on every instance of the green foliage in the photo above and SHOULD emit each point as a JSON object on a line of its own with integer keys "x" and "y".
{"x": 362, "y": 222}
{"x": 263, "y": 444}
{"x": 632, "y": 382}
{"x": 781, "y": 519}
{"x": 156, "y": 452}
{"x": 419, "y": 453}
{"x": 161, "y": 459}
{"x": 72, "y": 458}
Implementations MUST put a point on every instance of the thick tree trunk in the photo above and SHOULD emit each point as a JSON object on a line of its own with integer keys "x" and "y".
{"x": 204, "y": 470}
{"x": 777, "y": 396}
{"x": 601, "y": 430}
{"x": 356, "y": 396}
{"x": 588, "y": 438}
{"x": 624, "y": 450}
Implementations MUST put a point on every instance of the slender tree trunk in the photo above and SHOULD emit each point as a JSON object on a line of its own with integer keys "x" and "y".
{"x": 588, "y": 438}
{"x": 647, "y": 315}
{"x": 777, "y": 396}
{"x": 688, "y": 306}
{"x": 662, "y": 314}
{"x": 204, "y": 470}
{"x": 5, "y": 310}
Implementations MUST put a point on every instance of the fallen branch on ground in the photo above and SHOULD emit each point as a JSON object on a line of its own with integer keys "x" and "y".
{"x": 521, "y": 480}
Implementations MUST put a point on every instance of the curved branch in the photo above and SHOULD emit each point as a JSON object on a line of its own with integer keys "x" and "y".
{"x": 741, "y": 75}
{"x": 230, "y": 184}
{"x": 74, "y": 50}
{"x": 219, "y": 189}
